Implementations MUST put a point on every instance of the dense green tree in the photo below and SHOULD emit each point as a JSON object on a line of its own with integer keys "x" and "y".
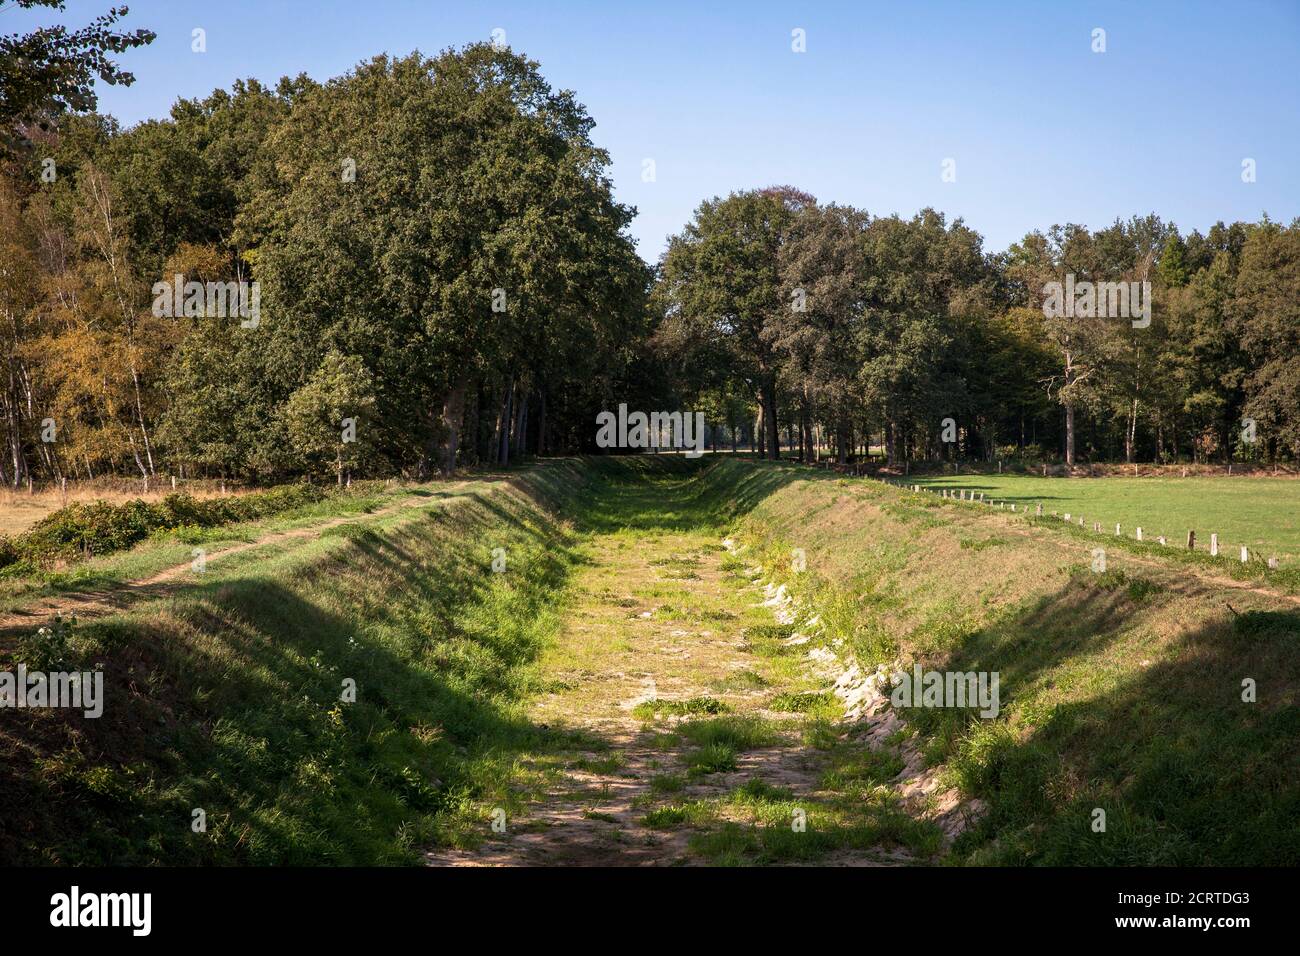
{"x": 823, "y": 275}
{"x": 1173, "y": 261}
{"x": 328, "y": 420}
{"x": 721, "y": 283}
{"x": 1266, "y": 308}
{"x": 436, "y": 242}
{"x": 917, "y": 267}
{"x": 446, "y": 220}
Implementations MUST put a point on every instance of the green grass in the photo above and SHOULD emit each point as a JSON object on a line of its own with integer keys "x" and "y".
{"x": 1261, "y": 513}
{"x": 717, "y": 741}
{"x": 739, "y": 732}
{"x": 711, "y": 758}
{"x": 667, "y": 783}
{"x": 800, "y": 703}
{"x": 1137, "y": 588}
{"x": 675, "y": 815}
{"x": 653, "y": 709}
{"x": 21, "y": 586}
{"x": 228, "y": 698}
{"x": 1120, "y": 690}
{"x": 769, "y": 640}
{"x": 758, "y": 823}
{"x": 764, "y": 824}
{"x": 862, "y": 767}
{"x": 742, "y": 680}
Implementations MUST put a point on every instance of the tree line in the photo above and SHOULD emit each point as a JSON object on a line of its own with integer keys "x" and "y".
{"x": 442, "y": 272}
{"x": 906, "y": 335}
{"x": 442, "y": 276}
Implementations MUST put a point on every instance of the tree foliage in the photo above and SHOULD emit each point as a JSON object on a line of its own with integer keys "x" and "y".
{"x": 440, "y": 229}
{"x": 52, "y": 70}
{"x": 439, "y": 258}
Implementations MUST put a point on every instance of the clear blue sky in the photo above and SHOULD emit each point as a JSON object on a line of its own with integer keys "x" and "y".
{"x": 1042, "y": 129}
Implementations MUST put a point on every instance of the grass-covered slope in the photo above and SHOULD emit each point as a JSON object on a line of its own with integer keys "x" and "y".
{"x": 227, "y": 696}
{"x": 99, "y": 545}
{"x": 1120, "y": 690}
{"x": 81, "y": 530}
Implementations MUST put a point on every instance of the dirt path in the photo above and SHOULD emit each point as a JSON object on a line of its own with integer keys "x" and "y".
{"x": 95, "y": 602}
{"x": 671, "y": 617}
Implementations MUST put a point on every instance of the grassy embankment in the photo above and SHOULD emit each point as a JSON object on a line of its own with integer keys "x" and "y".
{"x": 225, "y": 695}
{"x": 93, "y": 545}
{"x": 1120, "y": 690}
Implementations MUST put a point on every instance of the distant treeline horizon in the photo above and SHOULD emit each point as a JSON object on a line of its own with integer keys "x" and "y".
{"x": 445, "y": 279}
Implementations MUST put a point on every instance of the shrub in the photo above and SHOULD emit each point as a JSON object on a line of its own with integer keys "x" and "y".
{"x": 82, "y": 530}
{"x": 49, "y": 649}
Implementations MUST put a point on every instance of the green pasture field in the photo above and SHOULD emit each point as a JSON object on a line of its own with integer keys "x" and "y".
{"x": 1261, "y": 513}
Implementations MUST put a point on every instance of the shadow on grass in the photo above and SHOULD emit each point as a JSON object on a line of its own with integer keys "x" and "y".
{"x": 225, "y": 697}
{"x": 228, "y": 697}
{"x": 1187, "y": 772}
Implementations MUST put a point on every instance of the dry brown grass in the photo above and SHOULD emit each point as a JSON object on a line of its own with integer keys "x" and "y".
{"x": 20, "y": 509}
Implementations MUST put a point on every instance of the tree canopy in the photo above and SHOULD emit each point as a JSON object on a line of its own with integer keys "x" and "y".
{"x": 430, "y": 248}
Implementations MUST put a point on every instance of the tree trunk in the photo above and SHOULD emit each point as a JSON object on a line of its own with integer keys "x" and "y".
{"x": 1069, "y": 410}
{"x": 806, "y": 435}
{"x": 503, "y": 426}
{"x": 135, "y": 453}
{"x": 1069, "y": 436}
{"x": 521, "y": 421}
{"x": 767, "y": 396}
{"x": 139, "y": 411}
{"x": 453, "y": 415}
{"x": 1130, "y": 434}
{"x": 472, "y": 440}
{"x": 541, "y": 423}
